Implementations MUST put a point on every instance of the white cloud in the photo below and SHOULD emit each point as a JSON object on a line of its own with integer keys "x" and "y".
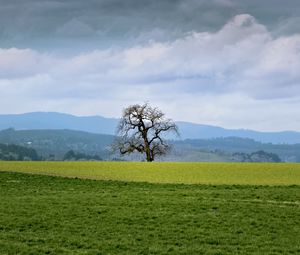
{"x": 16, "y": 63}
{"x": 233, "y": 77}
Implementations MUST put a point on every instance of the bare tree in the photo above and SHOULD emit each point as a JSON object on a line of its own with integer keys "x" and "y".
{"x": 141, "y": 129}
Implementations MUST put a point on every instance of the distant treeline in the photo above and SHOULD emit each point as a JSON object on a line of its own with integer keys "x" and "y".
{"x": 16, "y": 152}
{"x": 12, "y": 152}
{"x": 258, "y": 156}
{"x": 73, "y": 156}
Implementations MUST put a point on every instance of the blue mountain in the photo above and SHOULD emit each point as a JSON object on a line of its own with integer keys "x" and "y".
{"x": 54, "y": 120}
{"x": 102, "y": 125}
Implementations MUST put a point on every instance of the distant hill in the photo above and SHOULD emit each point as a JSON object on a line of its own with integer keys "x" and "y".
{"x": 102, "y": 125}
{"x": 54, "y": 144}
{"x": 197, "y": 131}
{"x": 232, "y": 145}
{"x": 53, "y": 120}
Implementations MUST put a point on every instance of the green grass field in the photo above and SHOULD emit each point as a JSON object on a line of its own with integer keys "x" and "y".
{"x": 238, "y": 208}
{"x": 167, "y": 172}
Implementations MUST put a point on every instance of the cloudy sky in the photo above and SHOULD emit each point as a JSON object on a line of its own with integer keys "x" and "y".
{"x": 231, "y": 63}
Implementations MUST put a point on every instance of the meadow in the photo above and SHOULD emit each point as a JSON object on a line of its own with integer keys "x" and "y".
{"x": 167, "y": 172}
{"x": 118, "y": 208}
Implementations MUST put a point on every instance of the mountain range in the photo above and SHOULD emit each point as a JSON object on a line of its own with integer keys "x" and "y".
{"x": 102, "y": 125}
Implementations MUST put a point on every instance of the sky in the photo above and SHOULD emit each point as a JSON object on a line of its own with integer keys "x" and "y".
{"x": 230, "y": 63}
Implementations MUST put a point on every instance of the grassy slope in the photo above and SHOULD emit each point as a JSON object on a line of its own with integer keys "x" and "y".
{"x": 165, "y": 172}
{"x": 54, "y": 215}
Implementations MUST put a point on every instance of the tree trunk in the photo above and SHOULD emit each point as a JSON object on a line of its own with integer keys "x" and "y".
{"x": 149, "y": 157}
{"x": 148, "y": 153}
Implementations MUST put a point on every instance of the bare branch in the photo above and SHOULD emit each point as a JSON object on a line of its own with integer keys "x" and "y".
{"x": 140, "y": 130}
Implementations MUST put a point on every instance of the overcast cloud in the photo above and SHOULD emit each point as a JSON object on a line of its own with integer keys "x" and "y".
{"x": 213, "y": 62}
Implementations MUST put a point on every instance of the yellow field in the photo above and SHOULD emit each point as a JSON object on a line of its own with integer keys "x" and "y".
{"x": 167, "y": 172}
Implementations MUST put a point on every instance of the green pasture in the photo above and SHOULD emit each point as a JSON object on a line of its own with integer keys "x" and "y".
{"x": 56, "y": 215}
{"x": 167, "y": 172}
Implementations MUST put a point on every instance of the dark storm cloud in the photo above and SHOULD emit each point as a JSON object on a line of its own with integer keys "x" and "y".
{"x": 99, "y": 23}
